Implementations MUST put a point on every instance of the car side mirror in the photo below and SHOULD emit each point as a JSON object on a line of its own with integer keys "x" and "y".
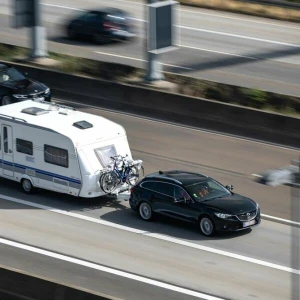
{"x": 229, "y": 187}
{"x": 180, "y": 200}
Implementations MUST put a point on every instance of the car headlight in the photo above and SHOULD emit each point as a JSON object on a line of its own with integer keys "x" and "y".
{"x": 47, "y": 91}
{"x": 18, "y": 96}
{"x": 223, "y": 216}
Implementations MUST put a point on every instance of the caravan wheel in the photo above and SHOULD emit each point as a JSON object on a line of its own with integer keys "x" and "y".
{"x": 27, "y": 186}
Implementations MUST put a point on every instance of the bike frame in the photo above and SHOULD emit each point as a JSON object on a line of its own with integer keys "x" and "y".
{"x": 123, "y": 174}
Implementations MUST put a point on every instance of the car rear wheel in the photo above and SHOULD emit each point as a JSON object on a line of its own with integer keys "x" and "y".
{"x": 207, "y": 226}
{"x": 71, "y": 33}
{"x": 99, "y": 38}
{"x": 6, "y": 100}
{"x": 145, "y": 211}
{"x": 27, "y": 186}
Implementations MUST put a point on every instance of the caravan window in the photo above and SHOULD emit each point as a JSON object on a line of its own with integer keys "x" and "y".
{"x": 25, "y": 147}
{"x": 5, "y": 138}
{"x": 56, "y": 156}
{"x": 104, "y": 154}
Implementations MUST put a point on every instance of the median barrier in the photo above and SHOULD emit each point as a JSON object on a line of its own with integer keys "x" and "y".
{"x": 15, "y": 285}
{"x": 190, "y": 111}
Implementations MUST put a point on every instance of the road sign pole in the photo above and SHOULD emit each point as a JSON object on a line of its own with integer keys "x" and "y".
{"x": 154, "y": 67}
{"x": 38, "y": 35}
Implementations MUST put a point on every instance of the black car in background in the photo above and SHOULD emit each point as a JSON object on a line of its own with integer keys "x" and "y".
{"x": 15, "y": 87}
{"x": 194, "y": 198}
{"x": 101, "y": 26}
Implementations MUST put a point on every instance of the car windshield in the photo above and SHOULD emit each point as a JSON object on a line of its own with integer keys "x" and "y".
{"x": 10, "y": 74}
{"x": 207, "y": 190}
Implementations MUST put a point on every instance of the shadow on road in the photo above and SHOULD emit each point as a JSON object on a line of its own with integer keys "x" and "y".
{"x": 234, "y": 60}
{"x": 108, "y": 208}
{"x": 165, "y": 226}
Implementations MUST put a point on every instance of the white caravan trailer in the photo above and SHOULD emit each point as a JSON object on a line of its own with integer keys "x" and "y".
{"x": 57, "y": 148}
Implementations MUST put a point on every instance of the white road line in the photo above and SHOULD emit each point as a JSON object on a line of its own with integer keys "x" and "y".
{"x": 232, "y": 136}
{"x": 241, "y": 36}
{"x": 63, "y": 7}
{"x": 109, "y": 270}
{"x": 218, "y": 52}
{"x": 198, "y": 12}
{"x": 241, "y": 19}
{"x": 138, "y": 59}
{"x": 281, "y": 220}
{"x": 155, "y": 235}
{"x": 205, "y": 30}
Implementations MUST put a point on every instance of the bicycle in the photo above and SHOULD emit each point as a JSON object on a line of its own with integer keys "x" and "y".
{"x": 123, "y": 171}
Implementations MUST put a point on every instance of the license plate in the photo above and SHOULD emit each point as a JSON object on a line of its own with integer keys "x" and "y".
{"x": 249, "y": 223}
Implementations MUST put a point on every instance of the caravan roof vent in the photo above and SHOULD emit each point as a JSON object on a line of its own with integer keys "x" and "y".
{"x": 35, "y": 111}
{"x": 82, "y": 124}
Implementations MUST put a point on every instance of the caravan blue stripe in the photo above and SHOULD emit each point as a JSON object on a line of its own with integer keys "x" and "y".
{"x": 40, "y": 171}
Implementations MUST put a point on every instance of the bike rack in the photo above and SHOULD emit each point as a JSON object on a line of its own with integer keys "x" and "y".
{"x": 123, "y": 187}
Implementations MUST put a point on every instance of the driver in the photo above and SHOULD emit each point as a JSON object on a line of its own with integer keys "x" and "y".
{"x": 203, "y": 191}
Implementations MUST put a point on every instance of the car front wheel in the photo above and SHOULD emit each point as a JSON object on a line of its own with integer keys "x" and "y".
{"x": 207, "y": 226}
{"x": 6, "y": 100}
{"x": 145, "y": 211}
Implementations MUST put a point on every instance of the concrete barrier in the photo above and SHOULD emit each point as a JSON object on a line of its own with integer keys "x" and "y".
{"x": 200, "y": 113}
{"x": 15, "y": 285}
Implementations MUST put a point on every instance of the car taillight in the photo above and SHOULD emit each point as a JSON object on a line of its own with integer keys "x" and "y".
{"x": 109, "y": 25}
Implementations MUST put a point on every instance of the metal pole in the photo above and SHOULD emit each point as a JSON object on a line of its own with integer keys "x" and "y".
{"x": 295, "y": 239}
{"x": 38, "y": 33}
{"x": 154, "y": 67}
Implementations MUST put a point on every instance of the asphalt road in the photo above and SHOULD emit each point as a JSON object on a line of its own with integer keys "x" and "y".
{"x": 106, "y": 232}
{"x": 148, "y": 256}
{"x": 223, "y": 47}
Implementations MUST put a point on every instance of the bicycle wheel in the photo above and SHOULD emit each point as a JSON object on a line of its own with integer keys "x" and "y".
{"x": 108, "y": 182}
{"x": 133, "y": 176}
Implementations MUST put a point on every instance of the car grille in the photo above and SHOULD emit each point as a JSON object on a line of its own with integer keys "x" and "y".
{"x": 247, "y": 216}
{"x": 36, "y": 95}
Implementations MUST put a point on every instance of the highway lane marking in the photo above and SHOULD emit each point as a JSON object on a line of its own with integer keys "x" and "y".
{"x": 219, "y": 15}
{"x": 155, "y": 235}
{"x": 183, "y": 46}
{"x": 109, "y": 270}
{"x": 204, "y": 30}
{"x": 219, "y": 52}
{"x": 152, "y": 120}
{"x": 139, "y": 59}
{"x": 241, "y": 36}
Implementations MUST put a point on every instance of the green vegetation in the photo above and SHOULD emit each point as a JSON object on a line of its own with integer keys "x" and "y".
{"x": 186, "y": 85}
{"x": 238, "y": 6}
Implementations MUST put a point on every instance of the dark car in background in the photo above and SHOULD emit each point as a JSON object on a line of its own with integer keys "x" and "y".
{"x": 15, "y": 86}
{"x": 194, "y": 198}
{"x": 101, "y": 26}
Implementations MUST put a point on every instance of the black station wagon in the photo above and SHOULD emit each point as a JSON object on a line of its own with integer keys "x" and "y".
{"x": 194, "y": 198}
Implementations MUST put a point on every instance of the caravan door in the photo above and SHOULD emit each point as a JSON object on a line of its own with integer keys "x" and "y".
{"x": 7, "y": 151}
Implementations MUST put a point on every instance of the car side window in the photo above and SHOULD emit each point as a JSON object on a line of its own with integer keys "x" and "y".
{"x": 150, "y": 185}
{"x": 164, "y": 188}
{"x": 179, "y": 193}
